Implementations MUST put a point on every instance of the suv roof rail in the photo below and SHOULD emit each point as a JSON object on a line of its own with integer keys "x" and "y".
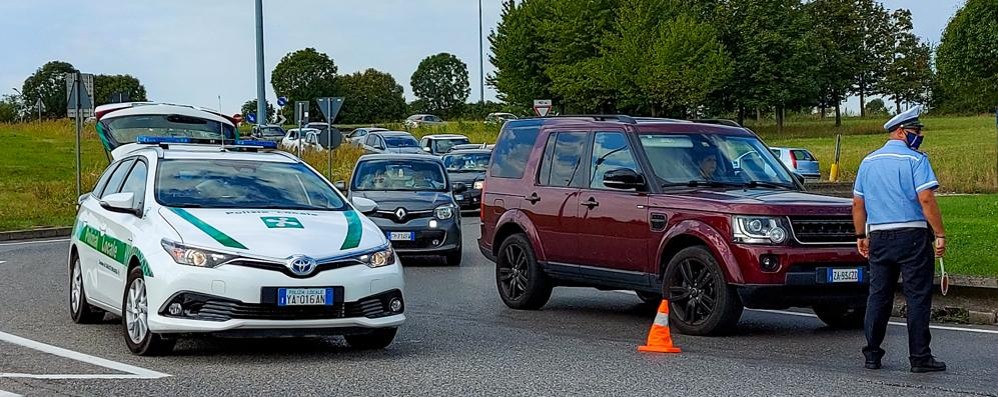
{"x": 729, "y": 123}
{"x": 623, "y": 118}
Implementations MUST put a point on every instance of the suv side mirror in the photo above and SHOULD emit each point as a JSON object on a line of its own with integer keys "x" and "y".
{"x": 340, "y": 185}
{"x": 364, "y": 205}
{"x": 623, "y": 178}
{"x": 121, "y": 202}
{"x": 459, "y": 187}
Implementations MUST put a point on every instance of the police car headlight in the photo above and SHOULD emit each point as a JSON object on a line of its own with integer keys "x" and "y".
{"x": 378, "y": 259}
{"x": 444, "y": 212}
{"x": 190, "y": 256}
{"x": 478, "y": 185}
{"x": 759, "y": 230}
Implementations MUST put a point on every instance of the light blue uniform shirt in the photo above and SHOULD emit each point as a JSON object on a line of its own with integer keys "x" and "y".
{"x": 889, "y": 181}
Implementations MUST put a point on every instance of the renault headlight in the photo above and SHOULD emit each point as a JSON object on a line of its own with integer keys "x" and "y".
{"x": 191, "y": 256}
{"x": 381, "y": 258}
{"x": 478, "y": 185}
{"x": 444, "y": 212}
{"x": 759, "y": 230}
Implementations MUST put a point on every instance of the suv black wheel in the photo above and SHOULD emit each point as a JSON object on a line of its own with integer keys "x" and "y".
{"x": 842, "y": 317}
{"x": 700, "y": 300}
{"x": 453, "y": 258}
{"x": 521, "y": 282}
{"x": 81, "y": 311}
{"x": 377, "y": 339}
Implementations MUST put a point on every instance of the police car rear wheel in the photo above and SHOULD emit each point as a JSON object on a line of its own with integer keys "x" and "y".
{"x": 81, "y": 311}
{"x": 377, "y": 339}
{"x": 700, "y": 300}
{"x": 135, "y": 319}
{"x": 841, "y": 317}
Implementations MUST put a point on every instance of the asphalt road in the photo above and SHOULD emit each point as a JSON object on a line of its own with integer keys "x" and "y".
{"x": 461, "y": 340}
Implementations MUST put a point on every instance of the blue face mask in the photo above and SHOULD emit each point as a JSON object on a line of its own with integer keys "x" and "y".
{"x": 913, "y": 140}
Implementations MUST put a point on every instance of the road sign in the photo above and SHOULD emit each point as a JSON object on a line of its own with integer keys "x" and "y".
{"x": 279, "y": 119}
{"x": 251, "y": 118}
{"x": 330, "y": 107}
{"x": 542, "y": 107}
{"x": 119, "y": 97}
{"x": 86, "y": 94}
{"x": 301, "y": 113}
{"x": 282, "y": 100}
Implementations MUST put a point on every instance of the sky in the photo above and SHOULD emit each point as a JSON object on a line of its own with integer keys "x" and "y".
{"x": 187, "y": 51}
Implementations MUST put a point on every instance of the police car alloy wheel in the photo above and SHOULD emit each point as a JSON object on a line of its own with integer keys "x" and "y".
{"x": 181, "y": 238}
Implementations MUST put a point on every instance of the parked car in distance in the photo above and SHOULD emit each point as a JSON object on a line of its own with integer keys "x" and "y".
{"x": 465, "y": 146}
{"x": 307, "y": 138}
{"x": 420, "y": 120}
{"x": 391, "y": 142}
{"x": 440, "y": 144}
{"x": 799, "y": 160}
{"x": 415, "y": 198}
{"x": 468, "y": 167}
{"x": 658, "y": 207}
{"x": 499, "y": 118}
{"x": 272, "y": 133}
{"x": 357, "y": 136}
{"x": 318, "y": 125}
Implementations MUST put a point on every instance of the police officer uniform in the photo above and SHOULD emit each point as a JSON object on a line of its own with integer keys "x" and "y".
{"x": 900, "y": 241}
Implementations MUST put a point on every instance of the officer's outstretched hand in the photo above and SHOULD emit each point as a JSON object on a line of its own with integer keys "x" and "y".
{"x": 940, "y": 247}
{"x": 863, "y": 245}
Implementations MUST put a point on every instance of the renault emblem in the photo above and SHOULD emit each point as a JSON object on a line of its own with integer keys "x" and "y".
{"x": 301, "y": 265}
{"x": 400, "y": 213}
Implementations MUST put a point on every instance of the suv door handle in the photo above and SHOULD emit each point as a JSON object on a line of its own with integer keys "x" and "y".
{"x": 533, "y": 198}
{"x": 591, "y": 203}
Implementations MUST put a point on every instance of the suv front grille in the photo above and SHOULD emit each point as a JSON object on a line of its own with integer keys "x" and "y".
{"x": 823, "y": 229}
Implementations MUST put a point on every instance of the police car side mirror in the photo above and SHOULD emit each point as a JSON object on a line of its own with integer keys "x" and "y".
{"x": 120, "y": 202}
{"x": 364, "y": 205}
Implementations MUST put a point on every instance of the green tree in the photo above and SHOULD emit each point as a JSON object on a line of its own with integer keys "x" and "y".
{"x": 9, "y": 109}
{"x": 107, "y": 86}
{"x": 250, "y": 107}
{"x": 516, "y": 54}
{"x": 49, "y": 84}
{"x": 909, "y": 75}
{"x": 875, "y": 107}
{"x": 875, "y": 54}
{"x": 442, "y": 80}
{"x": 371, "y": 96}
{"x": 968, "y": 72}
{"x": 304, "y": 75}
{"x": 572, "y": 32}
{"x": 837, "y": 42}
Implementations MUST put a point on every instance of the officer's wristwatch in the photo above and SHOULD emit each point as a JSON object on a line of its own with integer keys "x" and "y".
{"x": 861, "y": 236}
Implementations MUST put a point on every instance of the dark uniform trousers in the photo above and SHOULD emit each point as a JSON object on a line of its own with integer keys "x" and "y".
{"x": 907, "y": 252}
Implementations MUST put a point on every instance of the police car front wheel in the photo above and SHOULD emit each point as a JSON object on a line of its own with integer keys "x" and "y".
{"x": 135, "y": 319}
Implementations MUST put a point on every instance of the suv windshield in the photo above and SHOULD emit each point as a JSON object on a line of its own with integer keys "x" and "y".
{"x": 468, "y": 162}
{"x": 125, "y": 129}
{"x": 713, "y": 159}
{"x": 399, "y": 175}
{"x": 445, "y": 145}
{"x": 400, "y": 141}
{"x": 243, "y": 184}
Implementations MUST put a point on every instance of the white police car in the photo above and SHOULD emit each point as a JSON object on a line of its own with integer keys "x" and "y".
{"x": 180, "y": 238}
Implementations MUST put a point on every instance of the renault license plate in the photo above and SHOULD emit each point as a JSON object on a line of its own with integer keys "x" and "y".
{"x": 401, "y": 236}
{"x": 304, "y": 296}
{"x": 845, "y": 275}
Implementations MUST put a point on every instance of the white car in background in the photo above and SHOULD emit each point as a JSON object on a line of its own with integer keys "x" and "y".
{"x": 180, "y": 238}
{"x": 422, "y": 120}
{"x": 307, "y": 138}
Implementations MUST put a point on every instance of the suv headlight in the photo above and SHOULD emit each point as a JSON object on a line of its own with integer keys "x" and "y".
{"x": 191, "y": 256}
{"x": 758, "y": 230}
{"x": 444, "y": 212}
{"x": 478, "y": 185}
{"x": 378, "y": 259}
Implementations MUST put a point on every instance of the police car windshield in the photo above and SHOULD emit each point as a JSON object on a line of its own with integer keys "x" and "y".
{"x": 713, "y": 160}
{"x": 125, "y": 129}
{"x": 406, "y": 175}
{"x": 243, "y": 184}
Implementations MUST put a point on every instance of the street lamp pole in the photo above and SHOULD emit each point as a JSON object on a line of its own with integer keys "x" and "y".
{"x": 481, "y": 56}
{"x": 261, "y": 90}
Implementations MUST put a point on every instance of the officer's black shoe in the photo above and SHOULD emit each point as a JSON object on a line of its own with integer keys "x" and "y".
{"x": 929, "y": 365}
{"x": 872, "y": 364}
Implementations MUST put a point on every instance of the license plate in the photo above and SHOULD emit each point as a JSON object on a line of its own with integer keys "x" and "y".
{"x": 304, "y": 296}
{"x": 845, "y": 275}
{"x": 458, "y": 197}
{"x": 401, "y": 236}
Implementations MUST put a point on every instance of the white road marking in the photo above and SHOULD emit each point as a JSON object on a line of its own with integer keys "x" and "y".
{"x": 2, "y": 262}
{"x": 35, "y": 242}
{"x": 8, "y": 394}
{"x": 897, "y": 323}
{"x": 133, "y": 371}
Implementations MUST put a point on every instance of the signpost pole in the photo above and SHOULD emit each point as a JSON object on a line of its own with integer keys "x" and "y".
{"x": 834, "y": 174}
{"x": 329, "y": 142}
{"x": 77, "y": 86}
{"x": 261, "y": 88}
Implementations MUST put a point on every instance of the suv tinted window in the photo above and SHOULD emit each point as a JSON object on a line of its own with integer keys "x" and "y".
{"x": 512, "y": 151}
{"x": 136, "y": 182}
{"x": 114, "y": 183}
{"x": 562, "y": 155}
{"x": 610, "y": 152}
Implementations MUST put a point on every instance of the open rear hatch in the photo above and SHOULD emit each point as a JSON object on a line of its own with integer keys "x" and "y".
{"x": 119, "y": 127}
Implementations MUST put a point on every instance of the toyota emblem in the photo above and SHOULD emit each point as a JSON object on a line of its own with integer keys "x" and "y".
{"x": 301, "y": 265}
{"x": 400, "y": 213}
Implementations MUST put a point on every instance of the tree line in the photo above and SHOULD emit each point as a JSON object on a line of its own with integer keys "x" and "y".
{"x": 47, "y": 85}
{"x": 685, "y": 58}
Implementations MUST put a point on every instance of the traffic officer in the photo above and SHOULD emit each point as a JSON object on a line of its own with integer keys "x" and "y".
{"x": 900, "y": 229}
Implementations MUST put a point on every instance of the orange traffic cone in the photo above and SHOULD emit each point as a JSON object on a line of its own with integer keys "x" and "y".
{"x": 659, "y": 338}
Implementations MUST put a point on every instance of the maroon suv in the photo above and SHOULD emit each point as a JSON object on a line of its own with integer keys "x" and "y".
{"x": 700, "y": 212}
